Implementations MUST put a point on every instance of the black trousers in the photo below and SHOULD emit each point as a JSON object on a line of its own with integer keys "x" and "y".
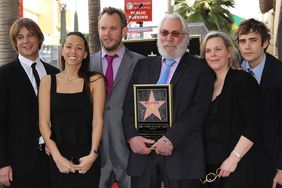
{"x": 156, "y": 173}
{"x": 38, "y": 177}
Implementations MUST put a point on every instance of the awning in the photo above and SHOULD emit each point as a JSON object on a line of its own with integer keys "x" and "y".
{"x": 266, "y": 5}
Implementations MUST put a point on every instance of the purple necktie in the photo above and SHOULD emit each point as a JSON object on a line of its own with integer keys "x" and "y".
{"x": 110, "y": 72}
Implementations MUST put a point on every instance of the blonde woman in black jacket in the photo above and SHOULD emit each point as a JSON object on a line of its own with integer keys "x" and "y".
{"x": 232, "y": 129}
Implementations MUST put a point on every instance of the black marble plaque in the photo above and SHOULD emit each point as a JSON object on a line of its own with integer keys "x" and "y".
{"x": 153, "y": 109}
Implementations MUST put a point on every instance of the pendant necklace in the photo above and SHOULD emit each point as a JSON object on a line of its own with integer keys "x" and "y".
{"x": 69, "y": 78}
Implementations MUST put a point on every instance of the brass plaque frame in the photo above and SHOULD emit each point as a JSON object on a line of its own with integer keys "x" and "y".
{"x": 152, "y": 109}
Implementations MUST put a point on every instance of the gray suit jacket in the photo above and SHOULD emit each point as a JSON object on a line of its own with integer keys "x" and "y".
{"x": 113, "y": 144}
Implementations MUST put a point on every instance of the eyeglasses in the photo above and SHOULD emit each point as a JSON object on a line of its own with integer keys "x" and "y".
{"x": 210, "y": 177}
{"x": 175, "y": 34}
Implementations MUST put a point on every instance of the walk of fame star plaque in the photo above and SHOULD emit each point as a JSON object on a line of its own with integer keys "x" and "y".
{"x": 153, "y": 109}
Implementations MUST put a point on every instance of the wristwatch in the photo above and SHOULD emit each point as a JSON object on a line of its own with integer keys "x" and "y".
{"x": 238, "y": 155}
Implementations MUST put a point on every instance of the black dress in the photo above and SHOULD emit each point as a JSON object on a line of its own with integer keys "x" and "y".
{"x": 71, "y": 127}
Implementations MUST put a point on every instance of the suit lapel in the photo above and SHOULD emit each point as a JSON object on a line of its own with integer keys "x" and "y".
{"x": 97, "y": 62}
{"x": 125, "y": 65}
{"x": 266, "y": 76}
{"x": 48, "y": 71}
{"x": 181, "y": 68}
{"x": 155, "y": 69}
{"x": 24, "y": 77}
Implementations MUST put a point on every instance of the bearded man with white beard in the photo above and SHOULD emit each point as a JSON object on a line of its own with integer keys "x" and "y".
{"x": 178, "y": 157}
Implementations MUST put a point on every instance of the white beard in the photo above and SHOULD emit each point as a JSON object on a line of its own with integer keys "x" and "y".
{"x": 178, "y": 52}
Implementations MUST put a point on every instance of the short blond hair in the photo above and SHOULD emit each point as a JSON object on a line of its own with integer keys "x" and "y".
{"x": 228, "y": 43}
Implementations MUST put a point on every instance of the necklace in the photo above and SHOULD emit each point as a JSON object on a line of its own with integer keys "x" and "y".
{"x": 69, "y": 78}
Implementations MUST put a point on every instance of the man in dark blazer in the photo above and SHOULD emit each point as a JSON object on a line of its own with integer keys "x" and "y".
{"x": 23, "y": 162}
{"x": 253, "y": 39}
{"x": 178, "y": 157}
{"x": 113, "y": 148}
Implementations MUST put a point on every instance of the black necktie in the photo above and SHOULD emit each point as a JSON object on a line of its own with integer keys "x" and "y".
{"x": 35, "y": 74}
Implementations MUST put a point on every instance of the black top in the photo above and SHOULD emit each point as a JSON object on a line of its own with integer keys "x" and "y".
{"x": 214, "y": 152}
{"x": 71, "y": 120}
{"x": 71, "y": 126}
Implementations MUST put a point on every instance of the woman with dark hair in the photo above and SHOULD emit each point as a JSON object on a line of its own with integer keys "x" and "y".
{"x": 71, "y": 106}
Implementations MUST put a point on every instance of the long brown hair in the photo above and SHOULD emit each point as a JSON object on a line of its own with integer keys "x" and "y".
{"x": 83, "y": 71}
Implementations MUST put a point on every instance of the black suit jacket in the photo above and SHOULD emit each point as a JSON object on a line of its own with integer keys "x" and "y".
{"x": 19, "y": 128}
{"x": 271, "y": 84}
{"x": 192, "y": 91}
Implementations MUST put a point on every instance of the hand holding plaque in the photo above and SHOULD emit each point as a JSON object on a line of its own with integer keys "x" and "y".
{"x": 153, "y": 114}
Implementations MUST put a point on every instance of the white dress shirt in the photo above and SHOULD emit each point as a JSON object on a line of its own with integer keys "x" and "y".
{"x": 26, "y": 64}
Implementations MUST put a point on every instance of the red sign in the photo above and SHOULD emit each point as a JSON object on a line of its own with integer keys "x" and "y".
{"x": 143, "y": 14}
{"x": 21, "y": 8}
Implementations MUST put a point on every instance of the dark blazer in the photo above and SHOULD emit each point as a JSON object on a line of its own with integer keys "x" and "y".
{"x": 192, "y": 91}
{"x": 19, "y": 129}
{"x": 271, "y": 84}
{"x": 240, "y": 112}
{"x": 240, "y": 109}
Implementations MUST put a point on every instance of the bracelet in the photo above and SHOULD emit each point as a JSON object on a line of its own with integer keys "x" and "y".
{"x": 95, "y": 152}
{"x": 236, "y": 154}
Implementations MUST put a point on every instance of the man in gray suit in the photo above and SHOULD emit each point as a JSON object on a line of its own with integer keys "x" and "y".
{"x": 116, "y": 62}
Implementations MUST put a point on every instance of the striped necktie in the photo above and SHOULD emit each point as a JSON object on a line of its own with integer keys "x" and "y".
{"x": 251, "y": 72}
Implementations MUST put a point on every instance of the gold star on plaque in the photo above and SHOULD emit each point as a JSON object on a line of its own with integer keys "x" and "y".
{"x": 152, "y": 106}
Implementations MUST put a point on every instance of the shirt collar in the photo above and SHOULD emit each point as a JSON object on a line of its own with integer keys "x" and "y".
{"x": 120, "y": 52}
{"x": 257, "y": 70}
{"x": 177, "y": 60}
{"x": 27, "y": 61}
